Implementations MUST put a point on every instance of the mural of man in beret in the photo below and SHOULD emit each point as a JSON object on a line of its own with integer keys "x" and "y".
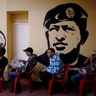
{"x": 2, "y": 39}
{"x": 66, "y": 32}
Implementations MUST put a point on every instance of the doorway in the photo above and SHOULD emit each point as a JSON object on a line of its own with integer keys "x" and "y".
{"x": 18, "y": 34}
{"x": 20, "y": 39}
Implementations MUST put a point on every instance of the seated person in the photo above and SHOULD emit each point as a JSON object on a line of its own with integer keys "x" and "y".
{"x": 3, "y": 59}
{"x": 28, "y": 65}
{"x": 91, "y": 67}
{"x": 56, "y": 65}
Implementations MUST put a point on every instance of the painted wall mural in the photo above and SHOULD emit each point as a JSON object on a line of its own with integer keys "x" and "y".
{"x": 2, "y": 39}
{"x": 66, "y": 32}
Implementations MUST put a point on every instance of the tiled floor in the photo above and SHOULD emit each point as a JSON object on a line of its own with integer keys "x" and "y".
{"x": 38, "y": 90}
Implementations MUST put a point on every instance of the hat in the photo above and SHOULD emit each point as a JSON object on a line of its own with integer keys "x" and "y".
{"x": 69, "y": 12}
{"x": 29, "y": 49}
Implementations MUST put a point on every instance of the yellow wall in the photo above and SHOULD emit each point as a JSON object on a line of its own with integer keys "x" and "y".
{"x": 38, "y": 8}
{"x": 36, "y": 12}
{"x": 14, "y": 17}
{"x": 3, "y": 25}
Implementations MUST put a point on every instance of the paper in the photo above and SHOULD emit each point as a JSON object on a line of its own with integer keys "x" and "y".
{"x": 15, "y": 63}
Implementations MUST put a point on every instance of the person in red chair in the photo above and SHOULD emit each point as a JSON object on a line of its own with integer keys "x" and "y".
{"x": 91, "y": 67}
{"x": 56, "y": 65}
{"x": 3, "y": 59}
{"x": 26, "y": 68}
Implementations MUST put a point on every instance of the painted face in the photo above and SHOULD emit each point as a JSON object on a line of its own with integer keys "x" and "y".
{"x": 64, "y": 36}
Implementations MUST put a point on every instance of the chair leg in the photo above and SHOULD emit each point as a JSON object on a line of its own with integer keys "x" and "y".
{"x": 81, "y": 87}
{"x": 15, "y": 84}
{"x": 30, "y": 84}
{"x": 0, "y": 86}
{"x": 49, "y": 87}
{"x": 64, "y": 86}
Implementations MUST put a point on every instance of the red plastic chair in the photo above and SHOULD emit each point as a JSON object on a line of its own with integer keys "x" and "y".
{"x": 85, "y": 80}
{"x": 26, "y": 78}
{"x": 1, "y": 77}
{"x": 62, "y": 80}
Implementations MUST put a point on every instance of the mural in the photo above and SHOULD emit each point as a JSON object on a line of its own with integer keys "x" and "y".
{"x": 66, "y": 32}
{"x": 2, "y": 39}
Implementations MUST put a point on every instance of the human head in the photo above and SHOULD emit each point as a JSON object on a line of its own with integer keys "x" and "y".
{"x": 2, "y": 51}
{"x": 29, "y": 51}
{"x": 50, "y": 52}
{"x": 94, "y": 56}
{"x": 66, "y": 25}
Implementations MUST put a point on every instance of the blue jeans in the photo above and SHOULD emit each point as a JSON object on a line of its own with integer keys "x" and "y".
{"x": 75, "y": 78}
{"x": 12, "y": 76}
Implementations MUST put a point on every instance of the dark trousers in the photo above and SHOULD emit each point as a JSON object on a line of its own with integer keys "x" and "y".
{"x": 12, "y": 76}
{"x": 45, "y": 76}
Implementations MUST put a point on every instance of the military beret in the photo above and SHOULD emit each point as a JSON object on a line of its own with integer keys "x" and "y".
{"x": 69, "y": 11}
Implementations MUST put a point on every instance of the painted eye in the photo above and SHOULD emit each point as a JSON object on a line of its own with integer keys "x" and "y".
{"x": 69, "y": 28}
{"x": 54, "y": 28}
{"x": 51, "y": 29}
{"x": 66, "y": 28}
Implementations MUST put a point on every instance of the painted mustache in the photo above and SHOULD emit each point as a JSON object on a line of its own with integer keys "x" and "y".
{"x": 60, "y": 43}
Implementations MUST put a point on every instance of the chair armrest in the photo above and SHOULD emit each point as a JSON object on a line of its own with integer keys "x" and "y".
{"x": 66, "y": 69}
{"x": 88, "y": 74}
{"x": 20, "y": 73}
{"x": 62, "y": 73}
{"x": 26, "y": 73}
{"x": 91, "y": 73}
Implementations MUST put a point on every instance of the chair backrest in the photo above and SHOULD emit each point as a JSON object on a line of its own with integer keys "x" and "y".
{"x": 2, "y": 70}
{"x": 67, "y": 67}
{"x": 30, "y": 72}
{"x": 88, "y": 77}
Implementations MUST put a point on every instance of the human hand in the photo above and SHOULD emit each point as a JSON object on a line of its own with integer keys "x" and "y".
{"x": 9, "y": 66}
{"x": 93, "y": 69}
{"x": 21, "y": 60}
{"x": 43, "y": 70}
{"x": 13, "y": 67}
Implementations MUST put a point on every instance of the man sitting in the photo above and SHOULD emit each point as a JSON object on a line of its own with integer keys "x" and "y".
{"x": 91, "y": 67}
{"x": 56, "y": 65}
{"x": 3, "y": 59}
{"x": 28, "y": 65}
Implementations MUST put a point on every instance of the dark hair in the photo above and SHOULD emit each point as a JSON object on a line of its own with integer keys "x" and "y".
{"x": 52, "y": 50}
{"x": 2, "y": 50}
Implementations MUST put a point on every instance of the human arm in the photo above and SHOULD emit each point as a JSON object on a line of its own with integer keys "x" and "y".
{"x": 43, "y": 70}
{"x": 91, "y": 63}
{"x": 87, "y": 60}
{"x": 21, "y": 60}
{"x": 3, "y": 62}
